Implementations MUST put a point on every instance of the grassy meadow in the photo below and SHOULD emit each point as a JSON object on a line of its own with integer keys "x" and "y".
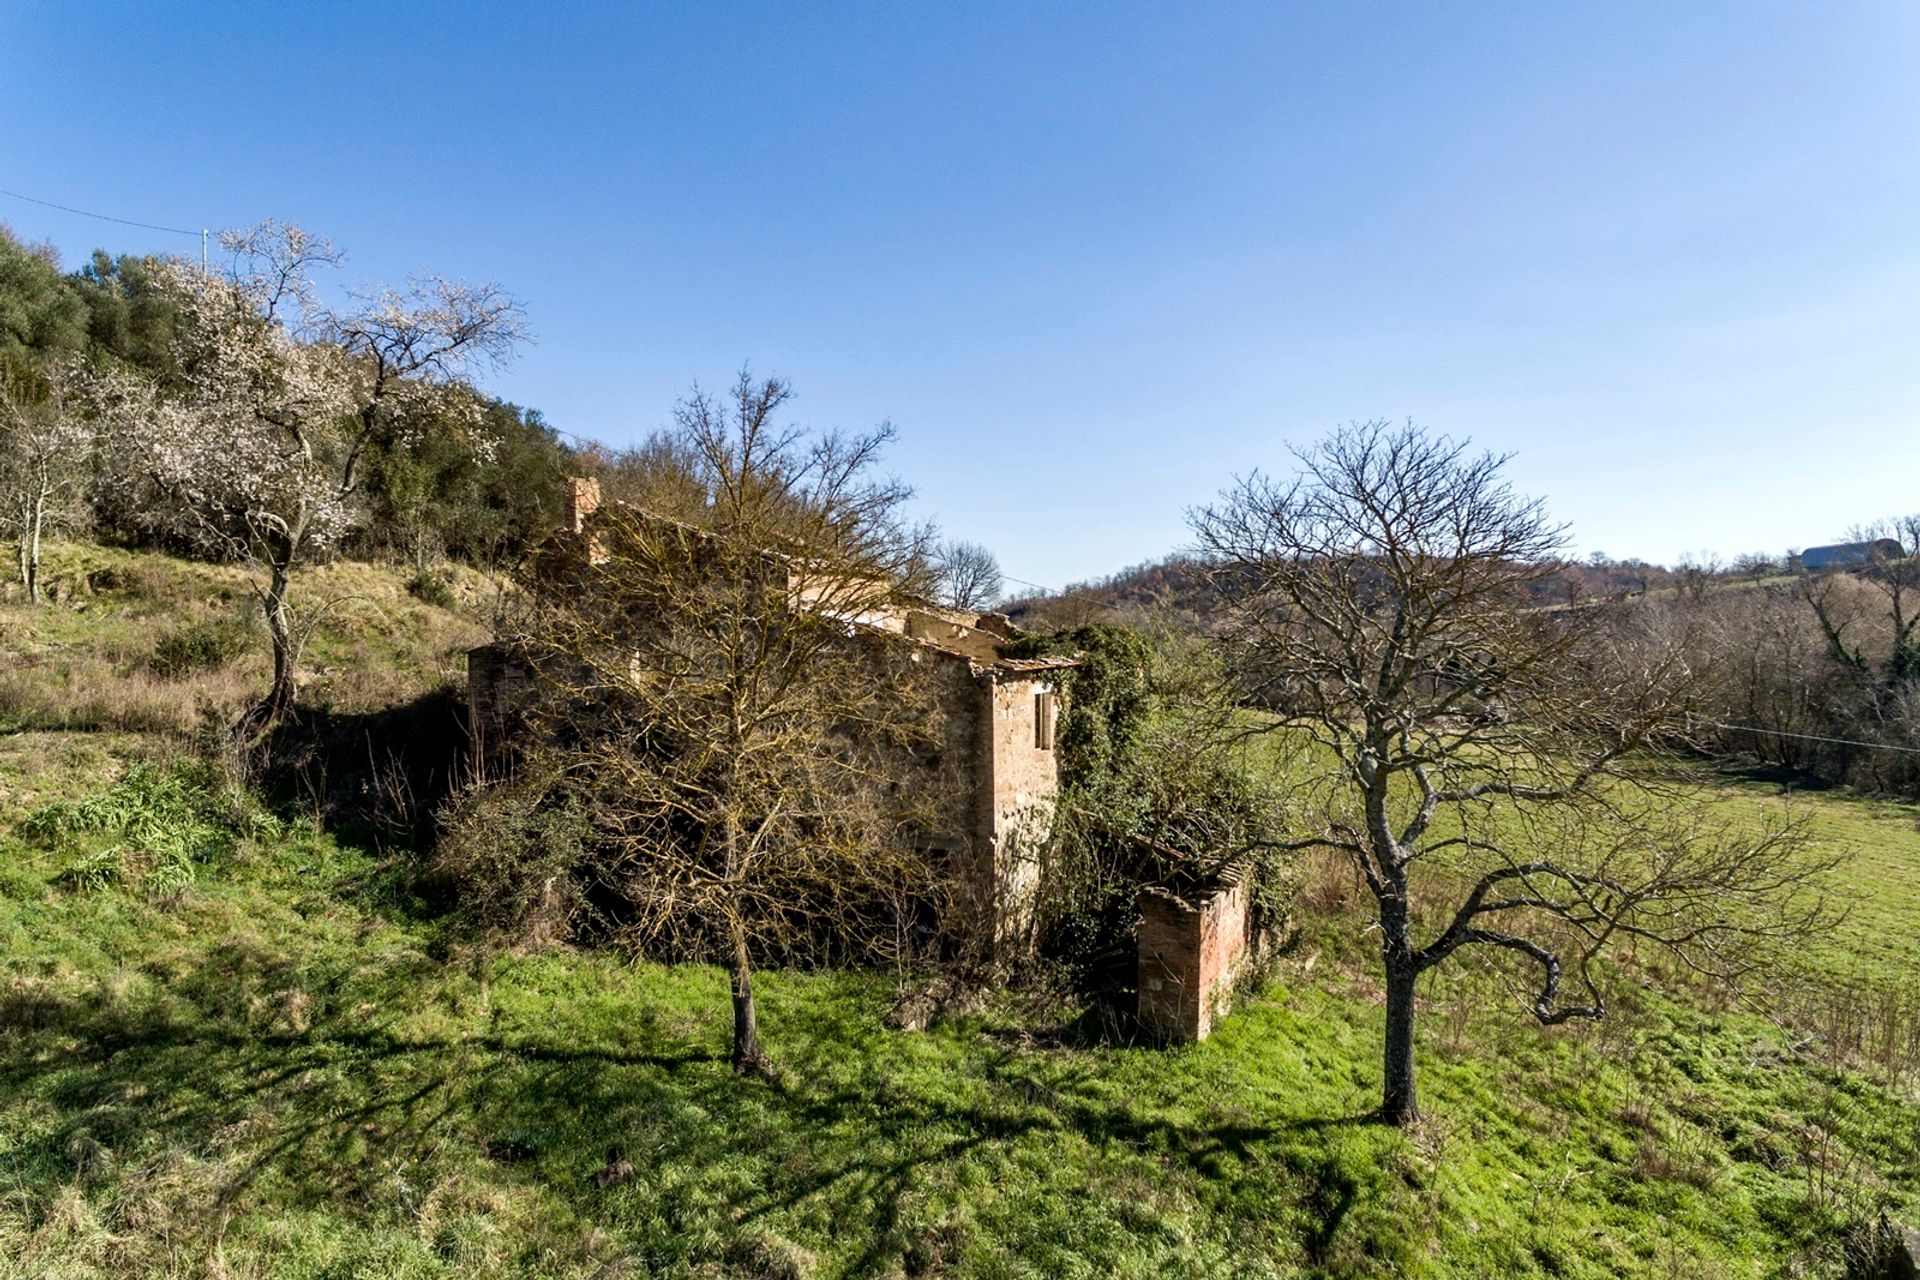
{"x": 233, "y": 1044}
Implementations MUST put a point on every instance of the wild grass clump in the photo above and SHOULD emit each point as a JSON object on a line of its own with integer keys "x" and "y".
{"x": 89, "y": 694}
{"x": 161, "y": 824}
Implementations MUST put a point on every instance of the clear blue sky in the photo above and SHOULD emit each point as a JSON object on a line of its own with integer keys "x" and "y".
{"x": 1093, "y": 259}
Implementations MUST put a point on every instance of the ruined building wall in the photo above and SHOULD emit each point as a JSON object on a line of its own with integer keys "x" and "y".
{"x": 1192, "y": 948}
{"x": 984, "y": 798}
{"x": 1018, "y": 782}
{"x": 499, "y": 684}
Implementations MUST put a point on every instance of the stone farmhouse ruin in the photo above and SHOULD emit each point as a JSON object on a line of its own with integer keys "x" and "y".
{"x": 991, "y": 800}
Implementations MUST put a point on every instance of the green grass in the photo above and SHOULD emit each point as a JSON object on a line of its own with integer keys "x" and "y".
{"x": 279, "y": 1067}
{"x": 1879, "y": 884}
{"x": 278, "y": 1072}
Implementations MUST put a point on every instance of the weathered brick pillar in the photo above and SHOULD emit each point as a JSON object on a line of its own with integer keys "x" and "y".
{"x": 583, "y": 499}
{"x": 1191, "y": 948}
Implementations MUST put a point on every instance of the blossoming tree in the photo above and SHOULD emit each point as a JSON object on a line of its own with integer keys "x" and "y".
{"x": 257, "y": 454}
{"x": 43, "y": 453}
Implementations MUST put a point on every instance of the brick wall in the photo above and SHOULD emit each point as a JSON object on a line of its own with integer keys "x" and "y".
{"x": 1192, "y": 946}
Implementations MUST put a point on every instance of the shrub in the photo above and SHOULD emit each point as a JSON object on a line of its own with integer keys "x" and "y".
{"x": 431, "y": 588}
{"x": 1152, "y": 788}
{"x": 512, "y": 856}
{"x": 198, "y": 646}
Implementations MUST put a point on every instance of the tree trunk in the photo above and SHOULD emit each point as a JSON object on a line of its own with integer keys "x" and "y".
{"x": 1398, "y": 1104}
{"x": 267, "y": 712}
{"x": 30, "y": 550}
{"x": 747, "y": 1058}
{"x": 280, "y": 631}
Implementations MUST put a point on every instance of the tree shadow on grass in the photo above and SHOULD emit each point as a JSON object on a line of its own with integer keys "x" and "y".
{"x": 376, "y": 777}
{"x": 333, "y": 1086}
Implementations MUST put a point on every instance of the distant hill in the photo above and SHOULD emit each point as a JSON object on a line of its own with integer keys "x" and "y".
{"x": 1176, "y": 590}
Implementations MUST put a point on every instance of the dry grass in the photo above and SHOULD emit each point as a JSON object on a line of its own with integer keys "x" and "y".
{"x": 86, "y": 660}
{"x": 92, "y": 695}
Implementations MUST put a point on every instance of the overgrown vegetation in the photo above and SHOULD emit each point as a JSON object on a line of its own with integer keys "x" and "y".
{"x": 278, "y": 1073}
{"x": 292, "y": 1066}
{"x": 1155, "y": 789}
{"x": 153, "y": 830}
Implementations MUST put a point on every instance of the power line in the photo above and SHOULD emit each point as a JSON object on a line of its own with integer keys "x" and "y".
{"x": 1035, "y": 585}
{"x": 1814, "y": 737}
{"x": 125, "y": 222}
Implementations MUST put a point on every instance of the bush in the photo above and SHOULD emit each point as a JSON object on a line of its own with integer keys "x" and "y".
{"x": 511, "y": 856}
{"x": 1152, "y": 789}
{"x": 428, "y": 587}
{"x": 198, "y": 646}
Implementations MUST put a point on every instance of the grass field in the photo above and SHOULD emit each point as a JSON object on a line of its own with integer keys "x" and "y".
{"x": 276, "y": 1065}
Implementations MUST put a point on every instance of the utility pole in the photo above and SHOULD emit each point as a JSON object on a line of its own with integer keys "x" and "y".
{"x": 203, "y": 248}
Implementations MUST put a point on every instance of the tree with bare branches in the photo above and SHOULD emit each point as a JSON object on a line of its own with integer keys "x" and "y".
{"x": 1471, "y": 745}
{"x": 718, "y": 694}
{"x": 969, "y": 575}
{"x": 1879, "y": 626}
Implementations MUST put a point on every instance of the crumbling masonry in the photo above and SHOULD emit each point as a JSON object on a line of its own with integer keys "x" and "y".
{"x": 1001, "y": 714}
{"x": 995, "y": 790}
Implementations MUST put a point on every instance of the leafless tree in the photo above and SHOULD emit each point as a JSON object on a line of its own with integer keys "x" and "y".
{"x": 1892, "y": 569}
{"x": 44, "y": 449}
{"x": 1697, "y": 572}
{"x": 1377, "y": 607}
{"x": 739, "y": 729}
{"x": 969, "y": 575}
{"x": 1077, "y": 606}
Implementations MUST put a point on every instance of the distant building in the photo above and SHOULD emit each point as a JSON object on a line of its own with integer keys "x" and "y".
{"x": 1850, "y": 555}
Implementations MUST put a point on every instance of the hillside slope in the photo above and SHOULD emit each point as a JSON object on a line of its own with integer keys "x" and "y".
{"x": 232, "y": 1043}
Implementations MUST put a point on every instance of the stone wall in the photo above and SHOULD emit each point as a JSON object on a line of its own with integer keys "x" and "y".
{"x": 583, "y": 499}
{"x": 1193, "y": 945}
{"x": 499, "y": 682}
{"x": 1020, "y": 779}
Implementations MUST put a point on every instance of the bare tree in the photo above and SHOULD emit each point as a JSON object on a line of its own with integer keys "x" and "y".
{"x": 969, "y": 575}
{"x": 1893, "y": 569}
{"x": 1889, "y": 570}
{"x": 1377, "y": 607}
{"x": 258, "y": 455}
{"x": 739, "y": 729}
{"x": 1697, "y": 572}
{"x": 44, "y": 448}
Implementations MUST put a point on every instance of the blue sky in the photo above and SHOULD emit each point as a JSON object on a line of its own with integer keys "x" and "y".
{"x": 1094, "y": 259}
